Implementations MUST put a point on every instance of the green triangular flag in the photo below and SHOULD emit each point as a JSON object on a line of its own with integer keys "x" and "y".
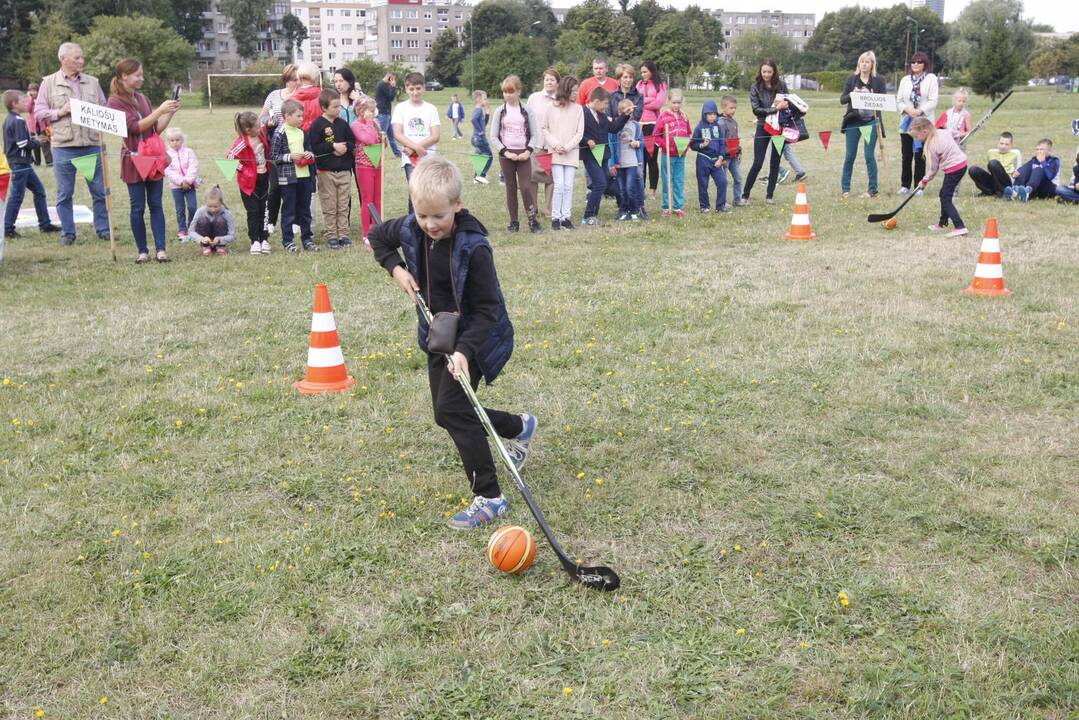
{"x": 228, "y": 168}
{"x": 681, "y": 143}
{"x": 373, "y": 153}
{"x": 778, "y": 141}
{"x": 478, "y": 163}
{"x": 86, "y": 165}
{"x": 866, "y": 131}
{"x": 597, "y": 153}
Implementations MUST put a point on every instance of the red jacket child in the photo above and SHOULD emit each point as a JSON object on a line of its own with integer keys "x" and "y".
{"x": 670, "y": 124}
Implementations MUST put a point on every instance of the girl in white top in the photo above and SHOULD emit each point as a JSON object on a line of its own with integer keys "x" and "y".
{"x": 917, "y": 96}
{"x": 563, "y": 128}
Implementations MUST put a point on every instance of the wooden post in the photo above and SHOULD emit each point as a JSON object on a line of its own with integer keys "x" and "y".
{"x": 108, "y": 195}
{"x": 382, "y": 175}
{"x": 667, "y": 155}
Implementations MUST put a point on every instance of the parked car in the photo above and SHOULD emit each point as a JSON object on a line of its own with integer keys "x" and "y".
{"x": 434, "y": 85}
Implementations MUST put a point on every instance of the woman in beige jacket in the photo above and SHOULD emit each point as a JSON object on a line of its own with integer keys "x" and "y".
{"x": 563, "y": 127}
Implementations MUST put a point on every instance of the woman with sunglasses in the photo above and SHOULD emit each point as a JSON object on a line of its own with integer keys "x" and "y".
{"x": 917, "y": 96}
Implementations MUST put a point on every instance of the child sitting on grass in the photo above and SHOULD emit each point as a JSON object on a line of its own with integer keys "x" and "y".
{"x": 943, "y": 153}
{"x": 1070, "y": 193}
{"x": 448, "y": 258}
{"x": 213, "y": 226}
{"x": 1037, "y": 176}
{"x": 1001, "y": 169}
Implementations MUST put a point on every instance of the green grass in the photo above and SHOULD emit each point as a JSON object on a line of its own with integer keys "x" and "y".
{"x": 773, "y": 423}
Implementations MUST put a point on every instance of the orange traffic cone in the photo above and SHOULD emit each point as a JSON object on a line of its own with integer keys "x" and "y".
{"x": 325, "y": 361}
{"x": 800, "y": 229}
{"x": 989, "y": 273}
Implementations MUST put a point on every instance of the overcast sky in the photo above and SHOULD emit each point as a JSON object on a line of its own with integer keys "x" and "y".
{"x": 1061, "y": 14}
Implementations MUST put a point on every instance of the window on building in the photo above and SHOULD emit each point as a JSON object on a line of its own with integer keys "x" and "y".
{"x": 346, "y": 27}
{"x": 395, "y": 43}
{"x": 346, "y": 41}
{"x": 428, "y": 29}
{"x": 428, "y": 44}
{"x": 223, "y": 46}
{"x": 222, "y": 27}
{"x": 395, "y": 13}
{"x": 413, "y": 43}
{"x": 395, "y": 28}
{"x": 348, "y": 56}
{"x": 412, "y": 30}
{"x": 413, "y": 58}
{"x": 741, "y": 19}
{"x": 346, "y": 13}
{"x": 362, "y": 13}
{"x": 329, "y": 12}
{"x": 752, "y": 19}
{"x": 797, "y": 21}
{"x": 458, "y": 16}
{"x": 330, "y": 27}
{"x": 398, "y": 58}
{"x": 786, "y": 21}
{"x": 412, "y": 13}
{"x": 333, "y": 55}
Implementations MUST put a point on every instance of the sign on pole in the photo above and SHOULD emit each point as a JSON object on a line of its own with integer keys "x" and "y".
{"x": 873, "y": 101}
{"x": 99, "y": 117}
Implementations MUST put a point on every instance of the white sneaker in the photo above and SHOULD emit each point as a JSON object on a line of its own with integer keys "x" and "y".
{"x": 481, "y": 180}
{"x": 958, "y": 232}
{"x": 256, "y": 248}
{"x": 903, "y": 191}
{"x": 265, "y": 249}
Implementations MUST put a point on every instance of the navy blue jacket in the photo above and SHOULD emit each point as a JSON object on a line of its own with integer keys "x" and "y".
{"x": 597, "y": 130}
{"x": 18, "y": 142}
{"x": 484, "y": 331}
{"x": 709, "y": 138}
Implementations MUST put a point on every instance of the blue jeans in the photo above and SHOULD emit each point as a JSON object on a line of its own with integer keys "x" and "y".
{"x": 1034, "y": 178}
{"x": 65, "y": 189}
{"x": 632, "y": 188}
{"x": 853, "y": 136}
{"x": 182, "y": 198}
{"x": 678, "y": 180}
{"x": 387, "y": 127}
{"x": 707, "y": 170}
{"x": 23, "y": 178}
{"x": 143, "y": 194}
{"x": 482, "y": 147}
{"x": 598, "y": 183}
{"x": 296, "y": 210}
{"x": 735, "y": 166}
{"x": 1069, "y": 193}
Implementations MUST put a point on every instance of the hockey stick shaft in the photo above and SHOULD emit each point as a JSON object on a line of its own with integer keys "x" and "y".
{"x": 985, "y": 118}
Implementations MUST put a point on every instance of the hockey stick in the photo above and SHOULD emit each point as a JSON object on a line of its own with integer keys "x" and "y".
{"x": 888, "y": 216}
{"x": 985, "y": 118}
{"x": 599, "y": 577}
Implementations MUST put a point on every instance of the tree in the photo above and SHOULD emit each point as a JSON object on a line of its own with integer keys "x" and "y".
{"x": 165, "y": 56}
{"x": 367, "y": 72}
{"x": 294, "y": 30}
{"x": 752, "y": 47}
{"x": 1056, "y": 57}
{"x": 596, "y": 20}
{"x": 977, "y": 19}
{"x": 669, "y": 46}
{"x": 494, "y": 19}
{"x": 514, "y": 55}
{"x": 645, "y": 14}
{"x": 446, "y": 57}
{"x": 247, "y": 18}
{"x": 844, "y": 35}
{"x": 44, "y": 38}
{"x": 997, "y": 66}
{"x": 187, "y": 18}
{"x": 574, "y": 44}
{"x": 15, "y": 18}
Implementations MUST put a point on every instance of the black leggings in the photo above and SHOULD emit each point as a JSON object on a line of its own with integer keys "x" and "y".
{"x": 255, "y": 205}
{"x": 948, "y": 210}
{"x": 761, "y": 141}
{"x": 273, "y": 197}
{"x": 991, "y": 180}
{"x": 650, "y": 171}
{"x": 909, "y": 158}
{"x": 454, "y": 412}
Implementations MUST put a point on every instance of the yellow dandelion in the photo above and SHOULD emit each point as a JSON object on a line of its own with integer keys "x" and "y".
{"x": 843, "y": 598}
{"x": 820, "y": 516}
{"x": 103, "y": 701}
{"x": 599, "y": 481}
{"x": 738, "y": 548}
{"x": 580, "y": 475}
{"x": 606, "y": 642}
{"x": 740, "y": 631}
{"x": 117, "y": 532}
{"x": 7, "y": 381}
{"x": 179, "y": 423}
{"x": 803, "y": 645}
{"x": 567, "y": 691}
{"x": 147, "y": 556}
{"x": 39, "y": 713}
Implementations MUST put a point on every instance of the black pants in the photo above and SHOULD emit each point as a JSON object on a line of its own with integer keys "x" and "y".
{"x": 993, "y": 180}
{"x": 650, "y": 171}
{"x": 910, "y": 158}
{"x": 255, "y": 205}
{"x": 948, "y": 210}
{"x": 273, "y": 196}
{"x": 761, "y": 141}
{"x": 454, "y": 413}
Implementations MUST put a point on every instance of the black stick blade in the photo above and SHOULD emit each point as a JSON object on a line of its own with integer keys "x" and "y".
{"x": 598, "y": 578}
{"x": 880, "y": 217}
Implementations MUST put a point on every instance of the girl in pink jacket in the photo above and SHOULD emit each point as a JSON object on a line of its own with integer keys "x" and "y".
{"x": 183, "y": 176}
{"x": 944, "y": 154}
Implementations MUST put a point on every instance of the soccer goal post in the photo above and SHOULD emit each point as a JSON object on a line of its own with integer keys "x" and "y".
{"x": 210, "y": 86}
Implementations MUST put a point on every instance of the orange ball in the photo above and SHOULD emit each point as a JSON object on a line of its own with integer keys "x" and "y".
{"x": 511, "y": 549}
{"x": 890, "y": 224}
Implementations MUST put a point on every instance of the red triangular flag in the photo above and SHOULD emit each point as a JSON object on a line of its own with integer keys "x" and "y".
{"x": 5, "y": 180}
{"x": 144, "y": 164}
{"x": 825, "y": 136}
{"x": 650, "y": 144}
{"x": 545, "y": 162}
{"x": 732, "y": 146}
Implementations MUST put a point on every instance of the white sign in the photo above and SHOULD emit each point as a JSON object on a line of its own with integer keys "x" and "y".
{"x": 99, "y": 117}
{"x": 872, "y": 101}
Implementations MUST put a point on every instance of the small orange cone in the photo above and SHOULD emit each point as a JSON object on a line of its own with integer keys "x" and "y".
{"x": 800, "y": 229}
{"x": 325, "y": 361}
{"x": 989, "y": 273}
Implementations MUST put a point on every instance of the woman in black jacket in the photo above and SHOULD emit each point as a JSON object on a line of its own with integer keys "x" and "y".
{"x": 865, "y": 80}
{"x": 765, "y": 98}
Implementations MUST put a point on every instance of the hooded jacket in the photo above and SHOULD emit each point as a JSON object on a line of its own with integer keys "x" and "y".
{"x": 484, "y": 330}
{"x": 308, "y": 97}
{"x": 709, "y": 138}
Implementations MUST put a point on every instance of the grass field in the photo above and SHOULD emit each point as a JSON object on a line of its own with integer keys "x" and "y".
{"x": 834, "y": 485}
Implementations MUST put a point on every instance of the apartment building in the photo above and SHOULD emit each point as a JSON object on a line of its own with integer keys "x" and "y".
{"x": 403, "y": 31}
{"x": 936, "y": 6}
{"x": 797, "y": 27}
{"x": 336, "y": 31}
{"x": 216, "y": 51}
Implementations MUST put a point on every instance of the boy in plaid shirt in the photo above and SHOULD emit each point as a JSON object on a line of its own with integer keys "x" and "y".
{"x": 290, "y": 152}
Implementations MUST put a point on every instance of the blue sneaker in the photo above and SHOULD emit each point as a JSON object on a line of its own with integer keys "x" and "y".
{"x": 1009, "y": 193}
{"x": 1024, "y": 192}
{"x": 482, "y": 511}
{"x": 518, "y": 446}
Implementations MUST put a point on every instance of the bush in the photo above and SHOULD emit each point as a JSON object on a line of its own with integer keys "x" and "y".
{"x": 829, "y": 80}
{"x": 244, "y": 91}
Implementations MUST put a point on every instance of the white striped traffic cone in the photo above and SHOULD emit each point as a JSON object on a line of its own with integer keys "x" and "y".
{"x": 800, "y": 229}
{"x": 989, "y": 273}
{"x": 325, "y": 361}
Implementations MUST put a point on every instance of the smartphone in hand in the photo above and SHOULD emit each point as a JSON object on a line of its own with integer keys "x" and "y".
{"x": 176, "y": 92}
